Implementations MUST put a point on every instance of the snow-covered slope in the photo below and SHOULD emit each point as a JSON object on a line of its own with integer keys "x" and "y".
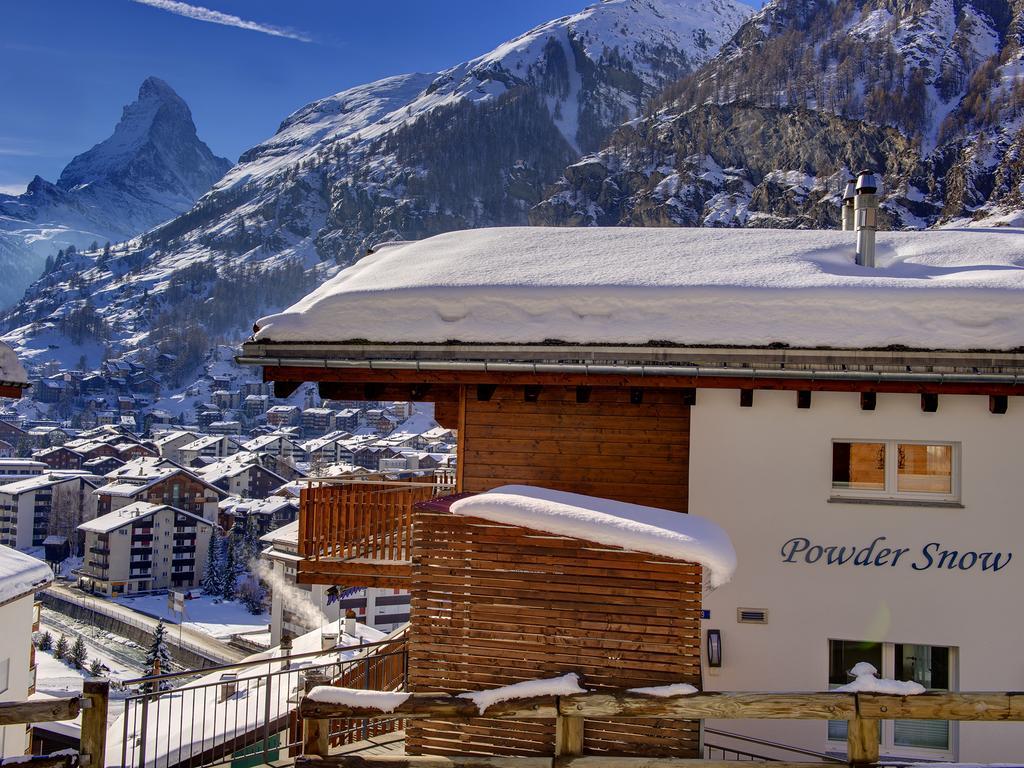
{"x": 151, "y": 169}
{"x": 928, "y": 92}
{"x": 401, "y": 158}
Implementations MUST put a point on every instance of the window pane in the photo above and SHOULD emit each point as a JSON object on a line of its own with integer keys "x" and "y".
{"x": 858, "y": 465}
{"x": 842, "y": 656}
{"x": 925, "y": 468}
{"x": 928, "y": 666}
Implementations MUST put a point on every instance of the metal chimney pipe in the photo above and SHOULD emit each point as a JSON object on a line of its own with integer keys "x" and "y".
{"x": 865, "y": 208}
{"x": 847, "y": 205}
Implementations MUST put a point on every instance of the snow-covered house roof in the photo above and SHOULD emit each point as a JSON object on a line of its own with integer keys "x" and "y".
{"x": 38, "y": 482}
{"x": 604, "y": 521}
{"x": 936, "y": 289}
{"x": 21, "y": 574}
{"x": 129, "y": 514}
{"x": 11, "y": 371}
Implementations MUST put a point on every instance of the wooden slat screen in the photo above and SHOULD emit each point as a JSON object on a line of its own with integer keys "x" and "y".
{"x": 495, "y": 604}
{"x": 607, "y": 446}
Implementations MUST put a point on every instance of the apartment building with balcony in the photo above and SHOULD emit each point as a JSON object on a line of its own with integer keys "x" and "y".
{"x": 52, "y": 503}
{"x": 158, "y": 481}
{"x": 144, "y": 547}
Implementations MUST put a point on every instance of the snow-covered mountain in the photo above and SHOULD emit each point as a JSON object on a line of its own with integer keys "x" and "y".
{"x": 401, "y": 158}
{"x": 928, "y": 92}
{"x": 151, "y": 169}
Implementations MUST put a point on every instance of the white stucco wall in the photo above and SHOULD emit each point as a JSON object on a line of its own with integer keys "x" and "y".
{"x": 15, "y": 646}
{"x": 764, "y": 474}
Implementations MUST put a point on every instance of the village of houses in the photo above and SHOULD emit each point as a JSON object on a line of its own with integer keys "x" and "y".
{"x": 125, "y": 507}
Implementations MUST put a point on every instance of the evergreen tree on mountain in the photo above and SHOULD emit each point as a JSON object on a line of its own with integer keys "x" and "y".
{"x": 158, "y": 660}
{"x": 60, "y": 650}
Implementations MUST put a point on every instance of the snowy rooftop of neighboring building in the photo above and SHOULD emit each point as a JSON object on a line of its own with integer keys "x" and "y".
{"x": 645, "y": 529}
{"x": 11, "y": 371}
{"x": 37, "y": 482}
{"x": 937, "y": 289}
{"x": 128, "y": 514}
{"x": 287, "y": 535}
{"x": 268, "y": 506}
{"x": 21, "y": 574}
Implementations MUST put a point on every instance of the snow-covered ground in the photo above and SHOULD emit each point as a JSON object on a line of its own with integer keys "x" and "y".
{"x": 217, "y": 618}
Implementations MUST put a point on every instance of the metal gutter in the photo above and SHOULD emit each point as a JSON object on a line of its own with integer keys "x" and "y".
{"x": 639, "y": 370}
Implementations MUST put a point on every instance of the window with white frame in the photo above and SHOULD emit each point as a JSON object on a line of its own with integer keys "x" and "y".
{"x": 896, "y": 469}
{"x": 930, "y": 665}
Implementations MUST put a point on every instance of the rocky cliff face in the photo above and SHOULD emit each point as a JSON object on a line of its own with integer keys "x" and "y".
{"x": 927, "y": 93}
{"x": 151, "y": 169}
{"x": 401, "y": 158}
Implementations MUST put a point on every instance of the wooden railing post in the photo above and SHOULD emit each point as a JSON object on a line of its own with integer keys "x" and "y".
{"x": 862, "y": 741}
{"x": 568, "y": 735}
{"x": 315, "y": 733}
{"x": 96, "y": 698}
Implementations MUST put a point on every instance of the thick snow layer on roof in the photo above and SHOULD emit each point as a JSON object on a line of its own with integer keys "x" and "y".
{"x": 11, "y": 371}
{"x": 126, "y": 514}
{"x": 21, "y": 574}
{"x": 604, "y": 521}
{"x": 952, "y": 289}
{"x": 566, "y": 685}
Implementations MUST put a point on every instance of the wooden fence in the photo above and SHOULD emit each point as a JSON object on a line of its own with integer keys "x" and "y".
{"x": 92, "y": 705}
{"x": 571, "y": 713}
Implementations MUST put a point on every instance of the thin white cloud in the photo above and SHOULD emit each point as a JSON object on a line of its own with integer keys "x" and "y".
{"x": 12, "y": 189}
{"x": 199, "y": 13}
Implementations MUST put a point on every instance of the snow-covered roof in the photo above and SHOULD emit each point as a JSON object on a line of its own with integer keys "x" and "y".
{"x": 11, "y": 371}
{"x": 129, "y": 514}
{"x": 949, "y": 289}
{"x": 645, "y": 529}
{"x": 268, "y": 506}
{"x": 21, "y": 574}
{"x": 286, "y": 534}
{"x": 37, "y": 482}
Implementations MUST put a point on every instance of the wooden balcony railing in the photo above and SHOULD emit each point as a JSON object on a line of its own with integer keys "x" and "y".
{"x": 358, "y": 533}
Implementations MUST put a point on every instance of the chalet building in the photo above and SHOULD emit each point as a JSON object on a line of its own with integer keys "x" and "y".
{"x": 23, "y": 576}
{"x": 255, "y": 405}
{"x": 9, "y": 432}
{"x": 269, "y": 513}
{"x": 317, "y": 421}
{"x": 55, "y": 502}
{"x": 347, "y": 419}
{"x": 329, "y": 449}
{"x": 7, "y": 449}
{"x": 276, "y": 444}
{"x": 59, "y": 457}
{"x": 169, "y": 445}
{"x": 283, "y": 416}
{"x": 157, "y": 482}
{"x": 102, "y": 465}
{"x": 242, "y": 475}
{"x": 227, "y": 400}
{"x": 209, "y": 447}
{"x": 849, "y": 412}
{"x": 207, "y": 415}
{"x": 144, "y": 547}
{"x": 18, "y": 469}
{"x": 225, "y": 428}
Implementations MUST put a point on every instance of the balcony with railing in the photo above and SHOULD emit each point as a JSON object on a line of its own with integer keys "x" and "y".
{"x": 358, "y": 533}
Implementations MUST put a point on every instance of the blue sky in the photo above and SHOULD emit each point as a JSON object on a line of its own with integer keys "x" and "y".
{"x": 67, "y": 67}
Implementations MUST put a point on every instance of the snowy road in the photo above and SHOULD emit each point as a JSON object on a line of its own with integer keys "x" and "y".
{"x": 208, "y": 646}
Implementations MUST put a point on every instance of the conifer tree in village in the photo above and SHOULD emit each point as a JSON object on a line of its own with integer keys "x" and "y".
{"x": 45, "y": 641}
{"x": 229, "y": 588}
{"x": 78, "y": 654}
{"x": 213, "y": 581}
{"x": 158, "y": 660}
{"x": 96, "y": 668}
{"x": 60, "y": 650}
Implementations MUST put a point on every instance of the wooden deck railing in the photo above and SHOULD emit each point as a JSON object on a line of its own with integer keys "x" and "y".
{"x": 861, "y": 710}
{"x": 358, "y": 533}
{"x": 92, "y": 705}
